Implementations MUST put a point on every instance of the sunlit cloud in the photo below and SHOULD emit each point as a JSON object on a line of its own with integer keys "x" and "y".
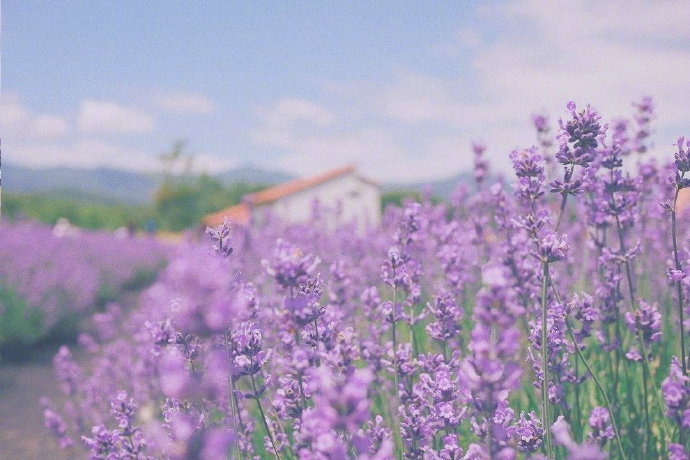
{"x": 607, "y": 55}
{"x": 17, "y": 121}
{"x": 412, "y": 122}
{"x": 93, "y": 153}
{"x": 110, "y": 117}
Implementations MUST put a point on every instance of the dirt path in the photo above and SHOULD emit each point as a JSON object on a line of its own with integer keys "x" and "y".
{"x": 22, "y": 433}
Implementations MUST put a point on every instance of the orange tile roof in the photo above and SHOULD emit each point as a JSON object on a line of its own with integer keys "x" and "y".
{"x": 241, "y": 213}
{"x": 238, "y": 214}
{"x": 276, "y": 192}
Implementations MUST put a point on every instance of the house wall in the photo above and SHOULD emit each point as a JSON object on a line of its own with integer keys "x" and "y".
{"x": 359, "y": 201}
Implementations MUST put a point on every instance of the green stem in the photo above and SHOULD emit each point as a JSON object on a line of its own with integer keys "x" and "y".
{"x": 600, "y": 387}
{"x": 231, "y": 389}
{"x": 640, "y": 339}
{"x": 577, "y": 400}
{"x": 645, "y": 392}
{"x": 564, "y": 200}
{"x": 545, "y": 363}
{"x": 679, "y": 288}
{"x": 397, "y": 437}
{"x": 263, "y": 417}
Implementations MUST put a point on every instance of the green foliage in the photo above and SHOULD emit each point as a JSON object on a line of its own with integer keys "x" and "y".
{"x": 179, "y": 203}
{"x": 182, "y": 202}
{"x": 183, "y": 198}
{"x": 19, "y": 323}
{"x": 400, "y": 196}
{"x": 82, "y": 213}
{"x": 397, "y": 197}
{"x": 142, "y": 278}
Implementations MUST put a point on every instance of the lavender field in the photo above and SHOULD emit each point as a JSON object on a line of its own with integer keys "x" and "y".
{"x": 537, "y": 316}
{"x": 49, "y": 281}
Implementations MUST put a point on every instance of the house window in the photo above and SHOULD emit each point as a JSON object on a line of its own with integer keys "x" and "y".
{"x": 353, "y": 194}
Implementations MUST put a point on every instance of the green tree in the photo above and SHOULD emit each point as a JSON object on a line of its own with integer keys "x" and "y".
{"x": 184, "y": 198}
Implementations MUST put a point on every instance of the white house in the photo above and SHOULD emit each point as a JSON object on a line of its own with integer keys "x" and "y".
{"x": 342, "y": 194}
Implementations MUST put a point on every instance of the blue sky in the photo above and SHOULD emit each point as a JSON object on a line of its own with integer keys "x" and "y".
{"x": 400, "y": 88}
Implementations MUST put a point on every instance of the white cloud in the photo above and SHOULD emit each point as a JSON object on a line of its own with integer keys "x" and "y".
{"x": 40, "y": 141}
{"x": 419, "y": 123}
{"x": 185, "y": 103}
{"x": 93, "y": 153}
{"x": 50, "y": 126}
{"x": 12, "y": 110}
{"x": 110, "y": 117}
{"x": 289, "y": 119}
{"x": 545, "y": 54}
{"x": 416, "y": 98}
{"x": 291, "y": 111}
{"x": 377, "y": 150}
{"x": 604, "y": 53}
{"x": 622, "y": 20}
{"x": 18, "y": 122}
{"x": 82, "y": 154}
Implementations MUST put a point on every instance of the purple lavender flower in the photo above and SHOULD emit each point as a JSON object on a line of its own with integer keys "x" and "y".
{"x": 308, "y": 364}
{"x": 291, "y": 266}
{"x": 104, "y": 445}
{"x": 527, "y": 432}
{"x": 340, "y": 406}
{"x": 600, "y": 423}
{"x": 643, "y": 117}
{"x": 683, "y": 155}
{"x": 481, "y": 166}
{"x": 562, "y": 436}
{"x": 304, "y": 307}
{"x": 677, "y": 452}
{"x": 541, "y": 123}
{"x": 221, "y": 235}
{"x": 647, "y": 320}
{"x": 676, "y": 392}
{"x": 527, "y": 163}
{"x": 249, "y": 358}
{"x": 447, "y": 318}
{"x": 551, "y": 248}
{"x": 56, "y": 424}
{"x": 579, "y": 137}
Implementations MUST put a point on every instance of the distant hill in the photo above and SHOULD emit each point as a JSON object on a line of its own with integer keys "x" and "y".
{"x": 114, "y": 185}
{"x": 253, "y": 175}
{"x": 442, "y": 188}
{"x": 108, "y": 183}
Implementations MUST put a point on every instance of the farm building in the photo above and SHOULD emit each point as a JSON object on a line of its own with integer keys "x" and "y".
{"x": 342, "y": 194}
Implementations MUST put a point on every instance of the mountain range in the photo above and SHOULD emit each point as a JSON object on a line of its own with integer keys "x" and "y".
{"x": 115, "y": 185}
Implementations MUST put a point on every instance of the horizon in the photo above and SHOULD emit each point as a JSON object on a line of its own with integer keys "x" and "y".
{"x": 234, "y": 169}
{"x": 401, "y": 90}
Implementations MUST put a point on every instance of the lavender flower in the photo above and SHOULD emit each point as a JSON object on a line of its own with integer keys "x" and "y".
{"x": 447, "y": 318}
{"x": 56, "y": 424}
{"x": 676, "y": 392}
{"x": 562, "y": 436}
{"x": 647, "y": 320}
{"x": 600, "y": 423}
{"x": 579, "y": 137}
{"x": 221, "y": 235}
{"x": 527, "y": 432}
{"x": 291, "y": 266}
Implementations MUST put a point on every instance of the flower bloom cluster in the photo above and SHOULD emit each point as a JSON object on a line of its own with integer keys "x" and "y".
{"x": 538, "y": 321}
{"x": 48, "y": 281}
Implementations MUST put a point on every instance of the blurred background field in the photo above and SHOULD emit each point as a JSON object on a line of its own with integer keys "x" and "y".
{"x": 129, "y": 127}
